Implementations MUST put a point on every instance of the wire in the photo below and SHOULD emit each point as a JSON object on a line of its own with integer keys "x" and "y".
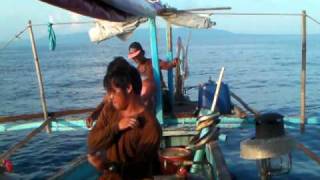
{"x": 66, "y": 23}
{"x": 14, "y": 38}
{"x": 35, "y": 25}
{"x": 313, "y": 19}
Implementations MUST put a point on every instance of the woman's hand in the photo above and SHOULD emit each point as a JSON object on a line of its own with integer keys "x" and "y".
{"x": 126, "y": 123}
{"x": 89, "y": 121}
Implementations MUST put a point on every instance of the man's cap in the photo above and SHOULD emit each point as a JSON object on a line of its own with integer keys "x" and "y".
{"x": 137, "y": 49}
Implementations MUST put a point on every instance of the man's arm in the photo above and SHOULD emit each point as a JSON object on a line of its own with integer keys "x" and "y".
{"x": 104, "y": 132}
{"x": 94, "y": 115}
{"x": 168, "y": 65}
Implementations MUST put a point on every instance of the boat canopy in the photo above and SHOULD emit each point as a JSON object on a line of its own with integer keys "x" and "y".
{"x": 119, "y": 18}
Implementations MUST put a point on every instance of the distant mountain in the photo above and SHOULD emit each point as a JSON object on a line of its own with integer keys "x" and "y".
{"x": 139, "y": 35}
{"x": 198, "y": 37}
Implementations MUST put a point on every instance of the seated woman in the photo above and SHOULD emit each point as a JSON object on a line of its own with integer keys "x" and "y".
{"x": 124, "y": 142}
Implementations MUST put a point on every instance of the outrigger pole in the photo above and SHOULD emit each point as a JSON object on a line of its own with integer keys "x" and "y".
{"x": 39, "y": 76}
{"x": 303, "y": 71}
{"x": 156, "y": 68}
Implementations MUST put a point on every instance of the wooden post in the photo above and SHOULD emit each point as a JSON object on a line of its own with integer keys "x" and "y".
{"x": 170, "y": 58}
{"x": 178, "y": 78}
{"x": 156, "y": 68}
{"x": 303, "y": 72}
{"x": 40, "y": 83}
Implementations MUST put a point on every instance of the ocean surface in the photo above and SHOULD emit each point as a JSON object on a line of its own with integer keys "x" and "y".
{"x": 264, "y": 70}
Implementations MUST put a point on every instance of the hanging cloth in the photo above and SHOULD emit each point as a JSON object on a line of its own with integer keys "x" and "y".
{"x": 52, "y": 38}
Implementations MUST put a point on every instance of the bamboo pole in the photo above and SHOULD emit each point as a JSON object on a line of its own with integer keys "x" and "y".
{"x": 216, "y": 94}
{"x": 170, "y": 58}
{"x": 245, "y": 105}
{"x": 303, "y": 72}
{"x": 39, "y": 76}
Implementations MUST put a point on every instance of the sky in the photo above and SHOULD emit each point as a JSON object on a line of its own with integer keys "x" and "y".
{"x": 14, "y": 15}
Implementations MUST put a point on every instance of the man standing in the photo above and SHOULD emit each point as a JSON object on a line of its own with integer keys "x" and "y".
{"x": 144, "y": 66}
{"x": 125, "y": 141}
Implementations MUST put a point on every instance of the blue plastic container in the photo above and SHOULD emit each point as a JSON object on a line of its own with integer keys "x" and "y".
{"x": 206, "y": 93}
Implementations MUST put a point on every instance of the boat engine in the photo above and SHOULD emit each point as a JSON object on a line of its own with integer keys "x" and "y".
{"x": 271, "y": 147}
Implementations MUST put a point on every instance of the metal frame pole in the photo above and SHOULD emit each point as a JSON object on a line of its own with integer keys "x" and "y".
{"x": 39, "y": 76}
{"x": 303, "y": 71}
{"x": 156, "y": 68}
{"x": 170, "y": 58}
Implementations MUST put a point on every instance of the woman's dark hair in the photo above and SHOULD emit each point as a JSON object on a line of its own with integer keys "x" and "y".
{"x": 121, "y": 74}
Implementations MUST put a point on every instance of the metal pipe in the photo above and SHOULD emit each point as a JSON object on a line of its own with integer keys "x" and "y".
{"x": 170, "y": 58}
{"x": 303, "y": 71}
{"x": 39, "y": 76}
{"x": 258, "y": 14}
{"x": 156, "y": 68}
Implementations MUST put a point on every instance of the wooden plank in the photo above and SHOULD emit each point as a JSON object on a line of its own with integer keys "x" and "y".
{"x": 215, "y": 156}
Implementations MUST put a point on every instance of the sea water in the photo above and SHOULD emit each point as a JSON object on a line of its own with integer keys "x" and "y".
{"x": 264, "y": 70}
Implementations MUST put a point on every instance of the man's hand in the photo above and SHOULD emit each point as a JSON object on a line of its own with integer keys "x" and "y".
{"x": 89, "y": 121}
{"x": 126, "y": 123}
{"x": 175, "y": 62}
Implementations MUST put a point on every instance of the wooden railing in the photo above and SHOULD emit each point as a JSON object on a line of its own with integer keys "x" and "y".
{"x": 28, "y": 117}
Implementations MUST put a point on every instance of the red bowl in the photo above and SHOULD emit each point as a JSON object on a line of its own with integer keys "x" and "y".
{"x": 171, "y": 158}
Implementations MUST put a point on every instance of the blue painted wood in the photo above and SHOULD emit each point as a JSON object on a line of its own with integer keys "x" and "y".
{"x": 156, "y": 68}
{"x": 226, "y": 122}
{"x": 199, "y": 155}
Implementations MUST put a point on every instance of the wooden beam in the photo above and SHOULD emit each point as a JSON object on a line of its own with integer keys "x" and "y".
{"x": 309, "y": 153}
{"x": 40, "y": 115}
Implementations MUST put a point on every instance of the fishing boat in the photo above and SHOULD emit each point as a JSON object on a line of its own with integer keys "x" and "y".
{"x": 198, "y": 141}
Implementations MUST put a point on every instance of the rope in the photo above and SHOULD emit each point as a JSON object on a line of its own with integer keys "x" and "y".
{"x": 52, "y": 38}
{"x": 313, "y": 19}
{"x": 67, "y": 23}
{"x": 14, "y": 38}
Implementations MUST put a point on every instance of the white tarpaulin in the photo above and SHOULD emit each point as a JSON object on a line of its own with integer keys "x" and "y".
{"x": 188, "y": 19}
{"x": 107, "y": 29}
